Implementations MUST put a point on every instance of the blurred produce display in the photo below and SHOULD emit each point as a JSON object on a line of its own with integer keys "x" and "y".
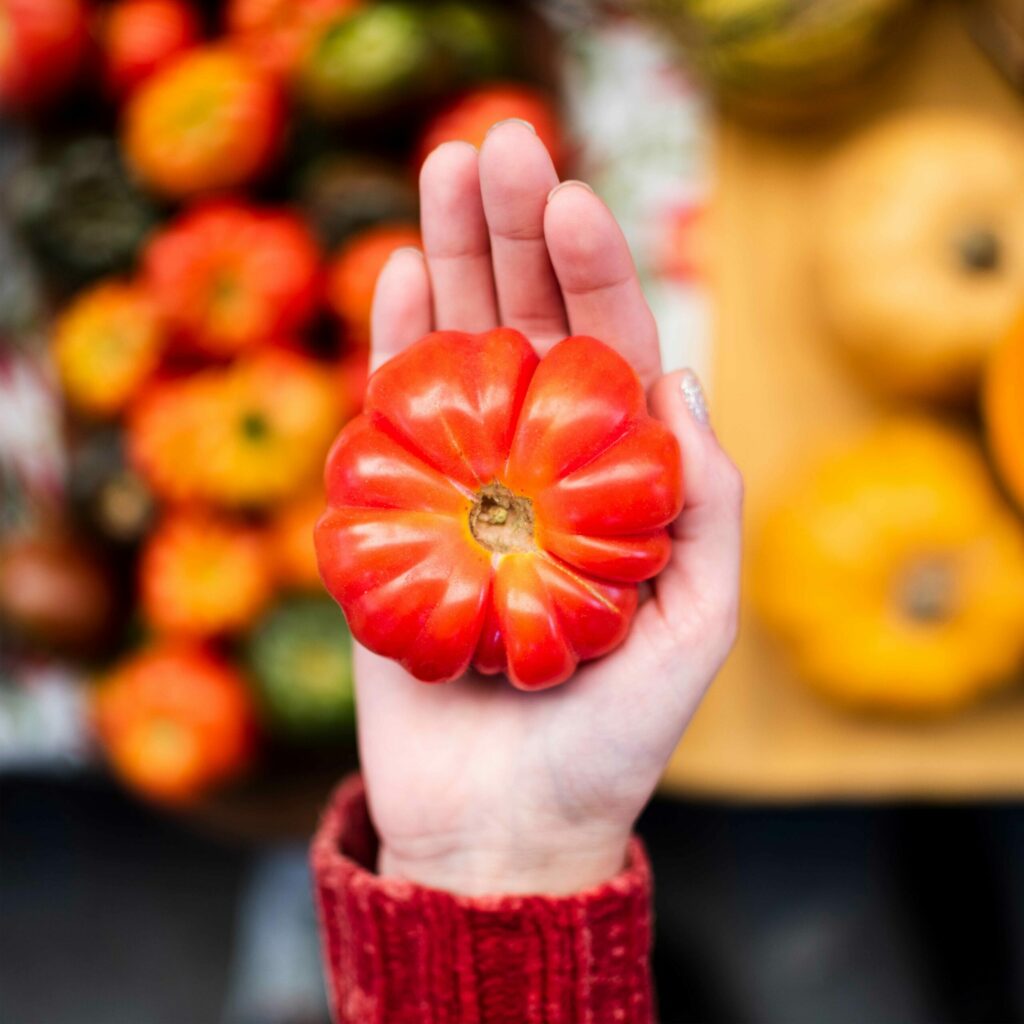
{"x": 782, "y": 61}
{"x": 921, "y": 249}
{"x": 894, "y": 572}
{"x": 200, "y": 196}
{"x": 207, "y": 192}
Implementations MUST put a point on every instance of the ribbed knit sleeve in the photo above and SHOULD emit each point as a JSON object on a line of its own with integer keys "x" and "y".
{"x": 398, "y": 953}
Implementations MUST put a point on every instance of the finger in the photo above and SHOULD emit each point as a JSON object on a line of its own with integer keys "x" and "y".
{"x": 516, "y": 175}
{"x": 602, "y": 292}
{"x": 456, "y": 241}
{"x": 701, "y": 582}
{"x": 401, "y": 305}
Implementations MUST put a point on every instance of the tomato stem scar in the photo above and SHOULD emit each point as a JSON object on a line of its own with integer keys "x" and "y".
{"x": 502, "y": 521}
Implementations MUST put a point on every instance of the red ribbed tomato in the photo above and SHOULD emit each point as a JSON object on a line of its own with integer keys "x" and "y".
{"x": 208, "y": 121}
{"x": 228, "y": 275}
{"x": 493, "y": 510}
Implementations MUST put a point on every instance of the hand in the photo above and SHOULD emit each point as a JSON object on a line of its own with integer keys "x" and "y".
{"x": 474, "y": 786}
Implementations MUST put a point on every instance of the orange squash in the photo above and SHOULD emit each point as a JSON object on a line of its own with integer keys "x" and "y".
{"x": 894, "y": 573}
{"x": 1003, "y": 410}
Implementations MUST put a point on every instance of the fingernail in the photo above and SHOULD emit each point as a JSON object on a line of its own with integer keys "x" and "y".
{"x": 406, "y": 248}
{"x": 569, "y": 182}
{"x": 511, "y": 120}
{"x": 693, "y": 396}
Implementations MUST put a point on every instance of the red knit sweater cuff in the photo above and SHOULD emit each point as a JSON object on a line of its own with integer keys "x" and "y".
{"x": 399, "y": 953}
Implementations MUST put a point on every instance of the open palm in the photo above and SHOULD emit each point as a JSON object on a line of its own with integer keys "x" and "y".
{"x": 473, "y": 785}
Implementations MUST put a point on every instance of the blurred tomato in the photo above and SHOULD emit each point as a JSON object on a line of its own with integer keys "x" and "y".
{"x": 106, "y": 344}
{"x": 43, "y": 44}
{"x": 209, "y": 120}
{"x": 290, "y": 537}
{"x": 469, "y": 118}
{"x": 138, "y": 36}
{"x": 162, "y": 435}
{"x": 276, "y": 33}
{"x": 299, "y": 658}
{"x": 352, "y": 274}
{"x": 228, "y": 275}
{"x": 371, "y": 62}
{"x": 54, "y": 592}
{"x": 175, "y": 720}
{"x": 251, "y": 434}
{"x": 276, "y": 414}
{"x": 200, "y": 575}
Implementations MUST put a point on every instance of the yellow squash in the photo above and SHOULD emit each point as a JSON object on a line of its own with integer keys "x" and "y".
{"x": 920, "y": 249}
{"x": 894, "y": 574}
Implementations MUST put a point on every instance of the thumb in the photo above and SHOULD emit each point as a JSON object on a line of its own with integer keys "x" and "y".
{"x": 702, "y": 576}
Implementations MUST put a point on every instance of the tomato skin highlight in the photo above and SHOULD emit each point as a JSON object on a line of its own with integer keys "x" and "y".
{"x": 496, "y": 511}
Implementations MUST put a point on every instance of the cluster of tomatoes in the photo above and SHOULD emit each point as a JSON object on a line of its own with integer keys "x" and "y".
{"x": 235, "y": 347}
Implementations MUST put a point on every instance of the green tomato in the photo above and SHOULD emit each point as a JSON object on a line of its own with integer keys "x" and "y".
{"x": 300, "y": 659}
{"x": 369, "y": 62}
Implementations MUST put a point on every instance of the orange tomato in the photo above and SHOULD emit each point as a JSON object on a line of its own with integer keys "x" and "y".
{"x": 106, "y": 344}
{"x": 175, "y": 720}
{"x": 163, "y": 432}
{"x": 267, "y": 439}
{"x": 247, "y": 435}
{"x": 209, "y": 120}
{"x": 200, "y": 575}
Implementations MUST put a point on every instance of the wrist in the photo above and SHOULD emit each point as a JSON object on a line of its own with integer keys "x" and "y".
{"x": 569, "y": 865}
